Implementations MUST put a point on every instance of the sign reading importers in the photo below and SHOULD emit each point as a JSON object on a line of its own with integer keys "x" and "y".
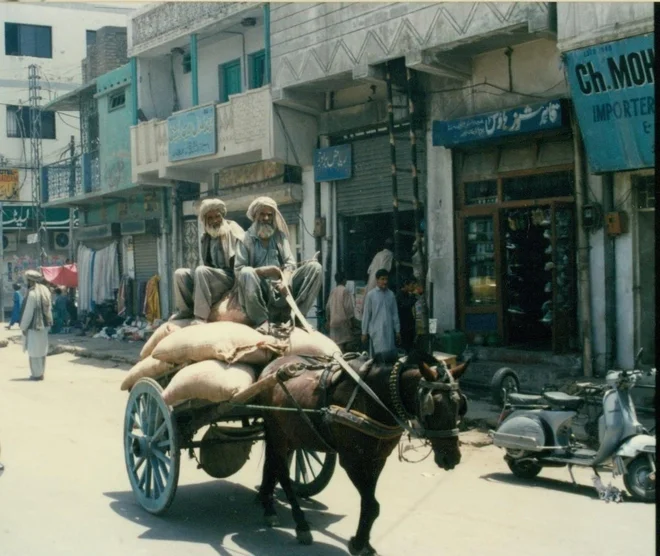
{"x": 612, "y": 86}
{"x": 192, "y": 133}
{"x": 8, "y": 183}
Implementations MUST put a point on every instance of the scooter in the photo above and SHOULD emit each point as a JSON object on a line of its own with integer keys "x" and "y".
{"x": 536, "y": 432}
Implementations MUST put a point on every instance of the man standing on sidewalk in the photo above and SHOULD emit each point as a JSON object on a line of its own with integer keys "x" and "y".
{"x": 380, "y": 319}
{"x": 36, "y": 319}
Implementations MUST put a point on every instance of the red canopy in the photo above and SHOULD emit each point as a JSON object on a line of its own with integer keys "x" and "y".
{"x": 64, "y": 275}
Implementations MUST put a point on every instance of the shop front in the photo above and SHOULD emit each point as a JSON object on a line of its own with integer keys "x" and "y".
{"x": 612, "y": 86}
{"x": 515, "y": 226}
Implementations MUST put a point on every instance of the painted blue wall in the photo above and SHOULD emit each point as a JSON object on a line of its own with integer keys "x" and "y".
{"x": 114, "y": 128}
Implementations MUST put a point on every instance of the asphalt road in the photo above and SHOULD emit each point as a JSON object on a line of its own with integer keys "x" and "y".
{"x": 65, "y": 491}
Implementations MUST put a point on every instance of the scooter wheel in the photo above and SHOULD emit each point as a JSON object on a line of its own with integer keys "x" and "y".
{"x": 504, "y": 380}
{"x": 640, "y": 479}
{"x": 526, "y": 469}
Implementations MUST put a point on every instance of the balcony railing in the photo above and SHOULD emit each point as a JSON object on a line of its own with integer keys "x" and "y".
{"x": 71, "y": 178}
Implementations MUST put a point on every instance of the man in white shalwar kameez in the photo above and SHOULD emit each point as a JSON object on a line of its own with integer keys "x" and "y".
{"x": 382, "y": 259}
{"x": 340, "y": 312}
{"x": 36, "y": 319}
{"x": 380, "y": 318}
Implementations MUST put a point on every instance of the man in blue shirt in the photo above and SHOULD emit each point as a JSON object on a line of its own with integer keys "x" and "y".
{"x": 265, "y": 266}
{"x": 16, "y": 309}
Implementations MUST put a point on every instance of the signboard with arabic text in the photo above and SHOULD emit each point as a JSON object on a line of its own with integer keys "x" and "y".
{"x": 192, "y": 133}
{"x": 333, "y": 163}
{"x": 530, "y": 118}
{"x": 613, "y": 88}
{"x": 8, "y": 183}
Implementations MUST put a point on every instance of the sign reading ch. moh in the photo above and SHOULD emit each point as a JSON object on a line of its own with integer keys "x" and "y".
{"x": 612, "y": 86}
{"x": 192, "y": 133}
{"x": 504, "y": 123}
{"x": 333, "y": 163}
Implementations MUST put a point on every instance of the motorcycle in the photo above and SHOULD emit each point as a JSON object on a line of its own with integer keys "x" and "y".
{"x": 536, "y": 432}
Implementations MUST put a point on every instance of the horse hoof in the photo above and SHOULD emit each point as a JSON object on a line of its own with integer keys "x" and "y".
{"x": 367, "y": 549}
{"x": 272, "y": 521}
{"x": 304, "y": 537}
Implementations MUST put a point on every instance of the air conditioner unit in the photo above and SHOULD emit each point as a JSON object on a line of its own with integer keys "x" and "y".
{"x": 61, "y": 241}
{"x": 9, "y": 242}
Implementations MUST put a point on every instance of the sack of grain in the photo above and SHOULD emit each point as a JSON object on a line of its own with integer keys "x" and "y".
{"x": 149, "y": 367}
{"x": 224, "y": 341}
{"x": 161, "y": 332}
{"x": 229, "y": 309}
{"x": 304, "y": 343}
{"x": 214, "y": 381}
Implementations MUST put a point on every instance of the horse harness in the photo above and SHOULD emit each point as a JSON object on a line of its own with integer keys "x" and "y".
{"x": 363, "y": 423}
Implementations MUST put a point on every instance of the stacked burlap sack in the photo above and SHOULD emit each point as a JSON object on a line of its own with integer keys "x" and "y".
{"x": 217, "y": 360}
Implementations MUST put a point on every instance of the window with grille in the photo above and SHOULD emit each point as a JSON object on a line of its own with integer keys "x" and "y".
{"x": 117, "y": 100}
{"x": 645, "y": 192}
{"x": 19, "y": 124}
{"x": 28, "y": 40}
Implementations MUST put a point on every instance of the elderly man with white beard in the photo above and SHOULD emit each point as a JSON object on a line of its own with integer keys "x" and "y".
{"x": 265, "y": 266}
{"x": 196, "y": 291}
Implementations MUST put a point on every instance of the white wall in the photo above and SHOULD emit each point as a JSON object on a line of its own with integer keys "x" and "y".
{"x": 155, "y": 94}
{"x": 58, "y": 74}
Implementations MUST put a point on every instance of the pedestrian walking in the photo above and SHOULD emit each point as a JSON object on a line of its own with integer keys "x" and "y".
{"x": 36, "y": 319}
{"x": 16, "y": 309}
{"x": 383, "y": 259}
{"x": 405, "y": 301}
{"x": 380, "y": 319}
{"x": 60, "y": 311}
{"x": 340, "y": 312}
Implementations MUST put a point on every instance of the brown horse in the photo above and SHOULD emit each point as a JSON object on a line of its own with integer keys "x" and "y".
{"x": 418, "y": 388}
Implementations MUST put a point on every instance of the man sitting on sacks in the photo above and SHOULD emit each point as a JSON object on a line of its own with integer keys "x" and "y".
{"x": 265, "y": 267}
{"x": 196, "y": 291}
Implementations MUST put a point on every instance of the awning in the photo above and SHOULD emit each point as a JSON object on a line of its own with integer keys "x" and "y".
{"x": 64, "y": 275}
{"x": 70, "y": 101}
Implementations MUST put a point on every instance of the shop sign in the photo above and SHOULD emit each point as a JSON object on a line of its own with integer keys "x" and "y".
{"x": 192, "y": 133}
{"x": 333, "y": 163}
{"x": 16, "y": 217}
{"x": 8, "y": 183}
{"x": 612, "y": 86}
{"x": 530, "y": 118}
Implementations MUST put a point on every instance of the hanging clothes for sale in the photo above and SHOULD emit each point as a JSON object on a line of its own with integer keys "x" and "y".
{"x": 98, "y": 275}
{"x": 152, "y": 299}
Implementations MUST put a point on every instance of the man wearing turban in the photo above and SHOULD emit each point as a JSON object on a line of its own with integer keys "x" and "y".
{"x": 265, "y": 266}
{"x": 36, "y": 319}
{"x": 196, "y": 291}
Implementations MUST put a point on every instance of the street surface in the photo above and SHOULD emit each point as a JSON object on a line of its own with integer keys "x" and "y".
{"x": 65, "y": 491}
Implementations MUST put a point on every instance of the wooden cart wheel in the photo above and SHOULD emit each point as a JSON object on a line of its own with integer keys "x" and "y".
{"x": 151, "y": 447}
{"x": 311, "y": 471}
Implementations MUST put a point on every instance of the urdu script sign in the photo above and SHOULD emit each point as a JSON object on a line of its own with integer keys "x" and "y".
{"x": 612, "y": 85}
{"x": 192, "y": 133}
{"x": 333, "y": 163}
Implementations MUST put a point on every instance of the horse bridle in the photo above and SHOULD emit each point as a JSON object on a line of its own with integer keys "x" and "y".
{"x": 425, "y": 390}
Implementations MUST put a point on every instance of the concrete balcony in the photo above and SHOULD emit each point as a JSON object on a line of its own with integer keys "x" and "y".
{"x": 208, "y": 138}
{"x": 73, "y": 181}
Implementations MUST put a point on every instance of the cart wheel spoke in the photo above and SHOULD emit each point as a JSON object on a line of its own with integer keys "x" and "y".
{"x": 300, "y": 459}
{"x": 309, "y": 465}
{"x": 151, "y": 447}
{"x": 315, "y": 456}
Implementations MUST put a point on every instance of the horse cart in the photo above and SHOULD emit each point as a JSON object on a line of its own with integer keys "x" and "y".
{"x": 155, "y": 434}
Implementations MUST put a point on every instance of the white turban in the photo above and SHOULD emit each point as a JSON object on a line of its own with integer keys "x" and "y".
{"x": 261, "y": 202}
{"x": 212, "y": 204}
{"x": 34, "y": 276}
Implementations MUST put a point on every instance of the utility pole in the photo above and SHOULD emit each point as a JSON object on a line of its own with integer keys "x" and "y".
{"x": 35, "y": 154}
{"x": 72, "y": 193}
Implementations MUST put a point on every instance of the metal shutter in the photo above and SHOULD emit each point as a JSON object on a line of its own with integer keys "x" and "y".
{"x": 145, "y": 251}
{"x": 370, "y": 189}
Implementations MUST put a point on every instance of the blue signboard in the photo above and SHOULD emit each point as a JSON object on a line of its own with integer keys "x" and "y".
{"x": 333, "y": 163}
{"x": 192, "y": 133}
{"x": 612, "y": 85}
{"x": 495, "y": 125}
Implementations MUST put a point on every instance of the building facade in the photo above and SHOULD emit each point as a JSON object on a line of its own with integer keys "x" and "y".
{"x": 52, "y": 38}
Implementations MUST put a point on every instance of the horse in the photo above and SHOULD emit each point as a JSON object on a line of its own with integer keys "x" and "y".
{"x": 417, "y": 389}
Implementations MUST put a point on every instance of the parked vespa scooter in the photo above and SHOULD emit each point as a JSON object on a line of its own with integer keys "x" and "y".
{"x": 536, "y": 432}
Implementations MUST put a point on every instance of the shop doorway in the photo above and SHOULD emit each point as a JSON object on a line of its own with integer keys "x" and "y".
{"x": 645, "y": 188}
{"x": 363, "y": 236}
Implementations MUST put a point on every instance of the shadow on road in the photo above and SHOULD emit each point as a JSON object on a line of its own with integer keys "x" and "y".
{"x": 552, "y": 484}
{"x": 211, "y": 513}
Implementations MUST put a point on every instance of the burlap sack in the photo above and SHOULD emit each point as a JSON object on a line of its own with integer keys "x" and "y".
{"x": 229, "y": 309}
{"x": 224, "y": 341}
{"x": 303, "y": 343}
{"x": 214, "y": 381}
{"x": 161, "y": 332}
{"x": 149, "y": 367}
